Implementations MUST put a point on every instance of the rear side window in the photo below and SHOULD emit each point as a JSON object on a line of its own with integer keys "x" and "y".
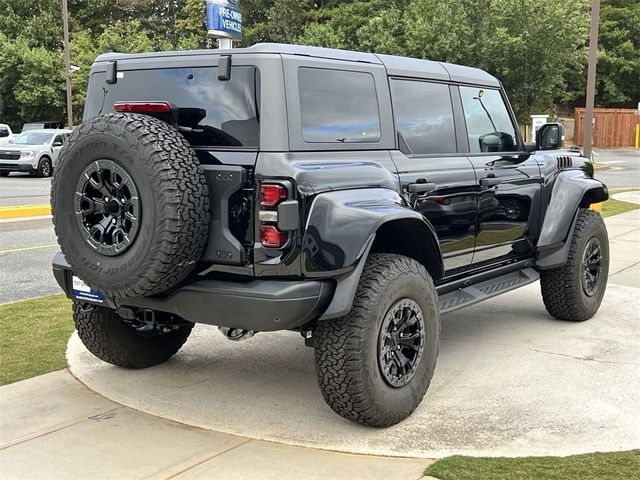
{"x": 212, "y": 112}
{"x": 338, "y": 106}
{"x": 489, "y": 125}
{"x": 4, "y": 132}
{"x": 424, "y": 117}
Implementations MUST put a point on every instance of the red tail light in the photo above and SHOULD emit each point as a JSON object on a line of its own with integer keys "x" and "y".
{"x": 142, "y": 107}
{"x": 271, "y": 237}
{"x": 272, "y": 194}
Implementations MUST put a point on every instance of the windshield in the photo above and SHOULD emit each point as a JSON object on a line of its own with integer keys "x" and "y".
{"x": 33, "y": 138}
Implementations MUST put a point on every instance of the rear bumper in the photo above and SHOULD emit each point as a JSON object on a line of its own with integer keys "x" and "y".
{"x": 259, "y": 305}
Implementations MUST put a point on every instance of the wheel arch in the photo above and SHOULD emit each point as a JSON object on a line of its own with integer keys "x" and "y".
{"x": 572, "y": 190}
{"x": 344, "y": 227}
{"x": 411, "y": 238}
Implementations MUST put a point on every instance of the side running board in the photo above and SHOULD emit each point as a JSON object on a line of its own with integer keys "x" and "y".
{"x": 463, "y": 297}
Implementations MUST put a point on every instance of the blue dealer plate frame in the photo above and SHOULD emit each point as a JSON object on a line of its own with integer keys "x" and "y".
{"x": 81, "y": 291}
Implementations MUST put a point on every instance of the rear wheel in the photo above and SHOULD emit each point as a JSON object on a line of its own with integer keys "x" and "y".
{"x": 128, "y": 344}
{"x": 4, "y": 174}
{"x": 574, "y": 291}
{"x": 375, "y": 364}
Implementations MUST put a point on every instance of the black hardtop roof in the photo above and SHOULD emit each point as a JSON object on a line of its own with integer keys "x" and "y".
{"x": 395, "y": 65}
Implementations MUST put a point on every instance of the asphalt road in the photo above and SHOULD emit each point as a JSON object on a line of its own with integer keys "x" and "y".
{"x": 26, "y": 250}
{"x": 23, "y": 189}
{"x": 624, "y": 168}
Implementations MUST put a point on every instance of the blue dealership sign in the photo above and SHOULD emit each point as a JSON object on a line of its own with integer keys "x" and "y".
{"x": 223, "y": 19}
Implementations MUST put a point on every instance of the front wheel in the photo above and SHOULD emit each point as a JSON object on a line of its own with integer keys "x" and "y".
{"x": 125, "y": 343}
{"x": 45, "y": 168}
{"x": 574, "y": 291}
{"x": 375, "y": 365}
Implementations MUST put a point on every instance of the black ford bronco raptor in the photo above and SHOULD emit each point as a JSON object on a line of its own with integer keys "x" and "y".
{"x": 352, "y": 197}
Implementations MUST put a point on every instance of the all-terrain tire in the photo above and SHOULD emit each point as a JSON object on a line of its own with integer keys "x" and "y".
{"x": 564, "y": 295}
{"x": 107, "y": 336}
{"x": 173, "y": 204}
{"x": 347, "y": 359}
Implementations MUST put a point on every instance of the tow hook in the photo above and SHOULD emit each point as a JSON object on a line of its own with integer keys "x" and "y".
{"x": 236, "y": 334}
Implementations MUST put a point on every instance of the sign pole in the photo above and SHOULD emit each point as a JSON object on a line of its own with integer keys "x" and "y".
{"x": 591, "y": 77}
{"x": 67, "y": 62}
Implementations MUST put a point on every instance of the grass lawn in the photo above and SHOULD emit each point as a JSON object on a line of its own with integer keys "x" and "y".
{"x": 615, "y": 207}
{"x": 592, "y": 466}
{"x": 33, "y": 337}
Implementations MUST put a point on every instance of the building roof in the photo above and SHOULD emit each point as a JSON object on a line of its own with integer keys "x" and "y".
{"x": 395, "y": 65}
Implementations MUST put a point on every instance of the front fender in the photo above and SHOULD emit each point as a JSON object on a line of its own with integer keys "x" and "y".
{"x": 342, "y": 224}
{"x": 572, "y": 189}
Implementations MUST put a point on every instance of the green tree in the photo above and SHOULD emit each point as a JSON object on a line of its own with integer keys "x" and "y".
{"x": 618, "y": 73}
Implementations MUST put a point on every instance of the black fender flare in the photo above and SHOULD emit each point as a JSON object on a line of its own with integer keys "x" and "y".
{"x": 572, "y": 189}
{"x": 340, "y": 231}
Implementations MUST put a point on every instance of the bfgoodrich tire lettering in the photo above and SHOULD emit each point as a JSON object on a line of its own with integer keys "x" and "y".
{"x": 347, "y": 349}
{"x": 565, "y": 295}
{"x": 173, "y": 197}
{"x": 111, "y": 339}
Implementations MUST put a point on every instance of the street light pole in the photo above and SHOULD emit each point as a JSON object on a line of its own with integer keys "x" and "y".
{"x": 591, "y": 77}
{"x": 67, "y": 62}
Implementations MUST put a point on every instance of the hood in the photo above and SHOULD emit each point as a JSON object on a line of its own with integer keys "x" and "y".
{"x": 20, "y": 148}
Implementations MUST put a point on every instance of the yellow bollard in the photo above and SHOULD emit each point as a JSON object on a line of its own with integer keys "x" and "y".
{"x": 638, "y": 135}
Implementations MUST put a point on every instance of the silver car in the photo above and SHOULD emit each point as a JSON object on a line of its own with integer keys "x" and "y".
{"x": 34, "y": 151}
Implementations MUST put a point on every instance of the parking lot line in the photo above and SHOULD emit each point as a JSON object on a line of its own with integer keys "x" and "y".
{"x": 27, "y": 249}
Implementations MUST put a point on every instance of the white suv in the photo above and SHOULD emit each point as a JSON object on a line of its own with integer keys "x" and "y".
{"x": 6, "y": 135}
{"x": 34, "y": 151}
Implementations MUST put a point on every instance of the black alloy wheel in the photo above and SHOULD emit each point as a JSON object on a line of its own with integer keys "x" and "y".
{"x": 107, "y": 206}
{"x": 401, "y": 342}
{"x": 591, "y": 267}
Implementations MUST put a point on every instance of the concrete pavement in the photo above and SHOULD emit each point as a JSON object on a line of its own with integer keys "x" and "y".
{"x": 54, "y": 428}
{"x": 624, "y": 242}
{"x": 510, "y": 380}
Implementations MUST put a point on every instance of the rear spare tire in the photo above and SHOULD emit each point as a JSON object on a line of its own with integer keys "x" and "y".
{"x": 130, "y": 205}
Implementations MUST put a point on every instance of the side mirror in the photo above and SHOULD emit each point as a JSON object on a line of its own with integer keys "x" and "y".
{"x": 550, "y": 136}
{"x": 57, "y": 144}
{"x": 497, "y": 142}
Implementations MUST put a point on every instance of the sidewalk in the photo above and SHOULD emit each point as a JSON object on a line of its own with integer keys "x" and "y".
{"x": 53, "y": 427}
{"x": 624, "y": 241}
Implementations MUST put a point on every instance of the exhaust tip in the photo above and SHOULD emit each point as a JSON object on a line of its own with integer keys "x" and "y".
{"x": 236, "y": 334}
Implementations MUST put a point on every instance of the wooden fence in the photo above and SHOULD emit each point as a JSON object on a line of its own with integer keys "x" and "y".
{"x": 613, "y": 127}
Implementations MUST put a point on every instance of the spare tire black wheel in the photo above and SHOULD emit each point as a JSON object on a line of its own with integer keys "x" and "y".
{"x": 130, "y": 205}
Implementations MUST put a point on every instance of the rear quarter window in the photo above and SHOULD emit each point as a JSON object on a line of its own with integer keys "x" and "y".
{"x": 212, "y": 112}
{"x": 338, "y": 106}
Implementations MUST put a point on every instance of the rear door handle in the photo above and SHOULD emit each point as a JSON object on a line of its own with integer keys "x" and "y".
{"x": 490, "y": 181}
{"x": 421, "y": 187}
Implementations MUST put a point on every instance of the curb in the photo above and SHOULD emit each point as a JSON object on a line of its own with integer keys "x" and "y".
{"x": 25, "y": 211}
{"x": 601, "y": 166}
